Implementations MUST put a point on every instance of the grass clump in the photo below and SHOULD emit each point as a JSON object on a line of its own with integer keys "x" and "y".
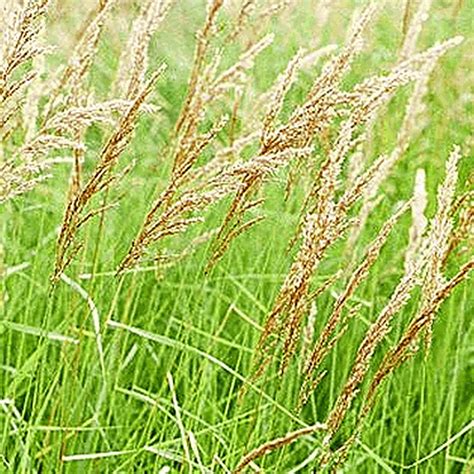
{"x": 231, "y": 250}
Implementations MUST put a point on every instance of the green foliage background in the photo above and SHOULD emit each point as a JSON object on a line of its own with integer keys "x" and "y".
{"x": 202, "y": 328}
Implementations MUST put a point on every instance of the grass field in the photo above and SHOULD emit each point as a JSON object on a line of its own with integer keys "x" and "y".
{"x": 142, "y": 372}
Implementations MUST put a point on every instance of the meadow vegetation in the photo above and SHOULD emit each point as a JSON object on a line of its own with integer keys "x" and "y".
{"x": 237, "y": 236}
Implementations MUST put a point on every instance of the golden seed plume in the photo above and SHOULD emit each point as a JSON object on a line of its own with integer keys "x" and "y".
{"x": 419, "y": 221}
{"x": 274, "y": 444}
{"x": 102, "y": 177}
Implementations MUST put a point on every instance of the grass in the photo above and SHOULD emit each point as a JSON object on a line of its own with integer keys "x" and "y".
{"x": 142, "y": 373}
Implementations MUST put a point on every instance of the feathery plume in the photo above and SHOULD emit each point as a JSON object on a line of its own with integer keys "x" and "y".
{"x": 174, "y": 218}
{"x": 414, "y": 28}
{"x": 67, "y": 90}
{"x": 308, "y": 120}
{"x": 133, "y": 62}
{"x": 410, "y": 125}
{"x": 439, "y": 237}
{"x": 375, "y": 334}
{"x": 18, "y": 179}
{"x": 325, "y": 220}
{"x": 34, "y": 92}
{"x": 464, "y": 229}
{"x": 245, "y": 12}
{"x": 403, "y": 351}
{"x": 275, "y": 444}
{"x": 323, "y": 344}
{"x": 23, "y": 171}
{"x": 435, "y": 289}
{"x": 278, "y": 93}
{"x": 20, "y": 41}
{"x": 202, "y": 45}
{"x": 419, "y": 221}
{"x": 205, "y": 87}
{"x": 101, "y": 179}
{"x": 406, "y": 347}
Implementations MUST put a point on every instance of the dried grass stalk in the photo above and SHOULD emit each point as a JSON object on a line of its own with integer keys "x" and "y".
{"x": 200, "y": 53}
{"x": 166, "y": 216}
{"x": 274, "y": 444}
{"x": 31, "y": 106}
{"x": 320, "y": 109}
{"x": 413, "y": 29}
{"x": 463, "y": 232}
{"x": 177, "y": 216}
{"x": 28, "y": 166}
{"x": 435, "y": 289}
{"x": 325, "y": 219}
{"x": 20, "y": 44}
{"x": 133, "y": 63}
{"x": 18, "y": 179}
{"x": 102, "y": 178}
{"x": 402, "y": 352}
{"x": 67, "y": 112}
{"x": 19, "y": 41}
{"x": 376, "y": 333}
{"x": 325, "y": 339}
{"x": 308, "y": 120}
{"x": 410, "y": 126}
{"x": 407, "y": 345}
{"x": 439, "y": 237}
{"x": 67, "y": 89}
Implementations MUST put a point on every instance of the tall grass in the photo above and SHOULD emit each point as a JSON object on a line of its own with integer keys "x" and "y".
{"x": 230, "y": 244}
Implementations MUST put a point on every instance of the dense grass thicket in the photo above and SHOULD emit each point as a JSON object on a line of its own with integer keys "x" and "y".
{"x": 173, "y": 328}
